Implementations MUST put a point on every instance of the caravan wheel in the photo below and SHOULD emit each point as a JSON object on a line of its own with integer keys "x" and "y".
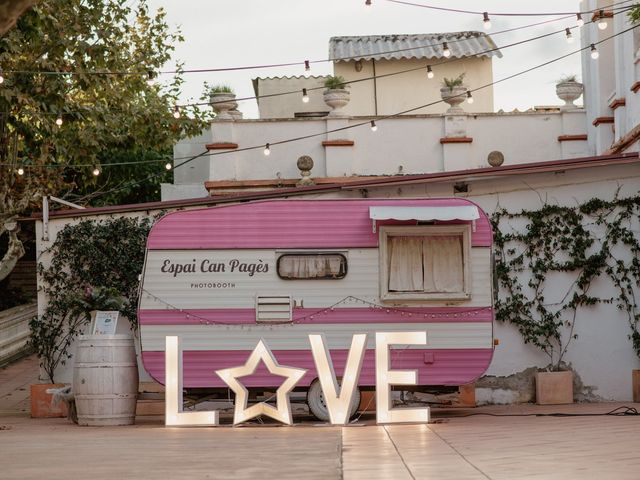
{"x": 318, "y": 407}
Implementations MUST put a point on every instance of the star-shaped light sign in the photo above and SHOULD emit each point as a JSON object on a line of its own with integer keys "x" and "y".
{"x": 283, "y": 411}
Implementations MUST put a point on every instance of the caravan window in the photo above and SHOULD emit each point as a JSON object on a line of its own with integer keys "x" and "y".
{"x": 424, "y": 263}
{"x": 312, "y": 266}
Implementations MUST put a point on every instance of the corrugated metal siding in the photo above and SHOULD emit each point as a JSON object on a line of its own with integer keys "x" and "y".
{"x": 461, "y": 44}
{"x": 449, "y": 367}
{"x": 289, "y": 224}
{"x": 295, "y": 337}
{"x": 361, "y": 281}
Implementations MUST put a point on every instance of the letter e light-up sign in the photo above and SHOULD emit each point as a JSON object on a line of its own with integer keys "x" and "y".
{"x": 386, "y": 377}
{"x": 338, "y": 405}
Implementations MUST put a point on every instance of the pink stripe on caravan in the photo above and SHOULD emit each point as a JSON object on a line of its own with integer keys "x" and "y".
{"x": 435, "y": 367}
{"x": 290, "y": 224}
{"x": 320, "y": 316}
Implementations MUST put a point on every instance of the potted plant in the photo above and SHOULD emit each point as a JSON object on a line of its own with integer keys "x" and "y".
{"x": 336, "y": 94}
{"x": 52, "y": 334}
{"x": 568, "y": 89}
{"x": 453, "y": 92}
{"x": 223, "y": 99}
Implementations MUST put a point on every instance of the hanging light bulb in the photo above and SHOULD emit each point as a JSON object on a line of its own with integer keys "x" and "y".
{"x": 429, "y": 72}
{"x": 569, "y": 36}
{"x": 469, "y": 97}
{"x": 20, "y": 171}
{"x": 1, "y": 77}
{"x": 579, "y": 20}
{"x": 602, "y": 20}
{"x": 594, "y": 52}
{"x": 267, "y": 150}
{"x": 307, "y": 66}
{"x": 176, "y": 112}
{"x": 151, "y": 78}
{"x": 486, "y": 21}
{"x": 59, "y": 120}
{"x": 167, "y": 166}
{"x": 445, "y": 50}
{"x": 305, "y": 97}
{"x": 374, "y": 127}
{"x": 96, "y": 171}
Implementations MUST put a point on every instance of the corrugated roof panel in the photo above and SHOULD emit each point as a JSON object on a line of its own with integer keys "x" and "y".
{"x": 427, "y": 45}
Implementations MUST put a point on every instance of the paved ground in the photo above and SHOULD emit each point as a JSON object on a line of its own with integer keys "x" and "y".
{"x": 454, "y": 447}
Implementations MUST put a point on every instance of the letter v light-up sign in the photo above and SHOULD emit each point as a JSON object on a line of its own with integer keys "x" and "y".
{"x": 173, "y": 414}
{"x": 338, "y": 405}
{"x": 386, "y": 377}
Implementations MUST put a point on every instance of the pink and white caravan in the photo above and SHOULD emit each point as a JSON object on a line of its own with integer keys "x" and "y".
{"x": 224, "y": 278}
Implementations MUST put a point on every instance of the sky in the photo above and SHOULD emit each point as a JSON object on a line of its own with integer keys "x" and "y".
{"x": 226, "y": 33}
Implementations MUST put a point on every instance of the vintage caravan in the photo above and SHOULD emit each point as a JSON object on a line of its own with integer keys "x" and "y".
{"x": 223, "y": 278}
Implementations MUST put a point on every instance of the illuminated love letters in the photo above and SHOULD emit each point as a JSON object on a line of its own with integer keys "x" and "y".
{"x": 338, "y": 402}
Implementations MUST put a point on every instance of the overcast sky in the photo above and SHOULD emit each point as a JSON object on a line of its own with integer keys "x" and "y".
{"x": 223, "y": 33}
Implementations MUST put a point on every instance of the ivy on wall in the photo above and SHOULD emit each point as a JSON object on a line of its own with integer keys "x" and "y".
{"x": 536, "y": 250}
{"x": 95, "y": 266}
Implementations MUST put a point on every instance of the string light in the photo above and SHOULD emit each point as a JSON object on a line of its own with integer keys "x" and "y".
{"x": 96, "y": 171}
{"x": 176, "y": 112}
{"x": 486, "y": 21}
{"x": 374, "y": 127}
{"x": 307, "y": 66}
{"x": 167, "y": 165}
{"x": 602, "y": 20}
{"x": 59, "y": 120}
{"x": 305, "y": 97}
{"x": 151, "y": 78}
{"x": 569, "y": 36}
{"x": 20, "y": 171}
{"x": 445, "y": 50}
{"x": 579, "y": 20}
{"x": 267, "y": 150}
{"x": 429, "y": 72}
{"x": 1, "y": 77}
{"x": 594, "y": 52}
{"x": 469, "y": 97}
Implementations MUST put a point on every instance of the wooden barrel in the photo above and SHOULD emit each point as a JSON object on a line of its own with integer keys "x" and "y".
{"x": 105, "y": 380}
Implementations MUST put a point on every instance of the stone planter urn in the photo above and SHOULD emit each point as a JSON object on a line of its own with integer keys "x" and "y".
{"x": 569, "y": 92}
{"x": 336, "y": 98}
{"x": 222, "y": 103}
{"x": 454, "y": 96}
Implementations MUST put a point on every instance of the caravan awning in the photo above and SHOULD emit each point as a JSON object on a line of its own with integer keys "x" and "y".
{"x": 425, "y": 214}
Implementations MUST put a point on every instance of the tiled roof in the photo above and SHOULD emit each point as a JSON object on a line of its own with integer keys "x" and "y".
{"x": 425, "y": 45}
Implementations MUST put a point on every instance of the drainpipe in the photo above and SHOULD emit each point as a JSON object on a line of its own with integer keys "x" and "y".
{"x": 375, "y": 89}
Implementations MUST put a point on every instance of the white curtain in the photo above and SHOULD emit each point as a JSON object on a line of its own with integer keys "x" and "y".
{"x": 432, "y": 264}
{"x": 405, "y": 264}
{"x": 443, "y": 264}
{"x": 310, "y": 266}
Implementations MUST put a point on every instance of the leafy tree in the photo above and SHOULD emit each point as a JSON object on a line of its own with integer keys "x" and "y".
{"x": 87, "y": 62}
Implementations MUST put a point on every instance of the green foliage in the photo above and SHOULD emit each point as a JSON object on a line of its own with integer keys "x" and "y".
{"x": 95, "y": 266}
{"x": 582, "y": 243}
{"x": 220, "y": 89}
{"x": 335, "y": 82}
{"x": 634, "y": 13}
{"x": 451, "y": 83}
{"x": 567, "y": 79}
{"x": 105, "y": 116}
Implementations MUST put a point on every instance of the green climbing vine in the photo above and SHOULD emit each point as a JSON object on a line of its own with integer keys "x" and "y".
{"x": 95, "y": 266}
{"x": 537, "y": 250}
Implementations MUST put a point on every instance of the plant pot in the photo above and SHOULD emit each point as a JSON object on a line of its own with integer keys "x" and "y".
{"x": 569, "y": 92}
{"x": 635, "y": 385}
{"x": 222, "y": 103}
{"x": 554, "y": 388}
{"x": 41, "y": 406}
{"x": 336, "y": 98}
{"x": 454, "y": 97}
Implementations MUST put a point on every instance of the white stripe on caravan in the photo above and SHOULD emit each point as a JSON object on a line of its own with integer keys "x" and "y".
{"x": 294, "y": 337}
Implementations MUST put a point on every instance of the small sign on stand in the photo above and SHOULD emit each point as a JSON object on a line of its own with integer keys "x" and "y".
{"x": 105, "y": 322}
